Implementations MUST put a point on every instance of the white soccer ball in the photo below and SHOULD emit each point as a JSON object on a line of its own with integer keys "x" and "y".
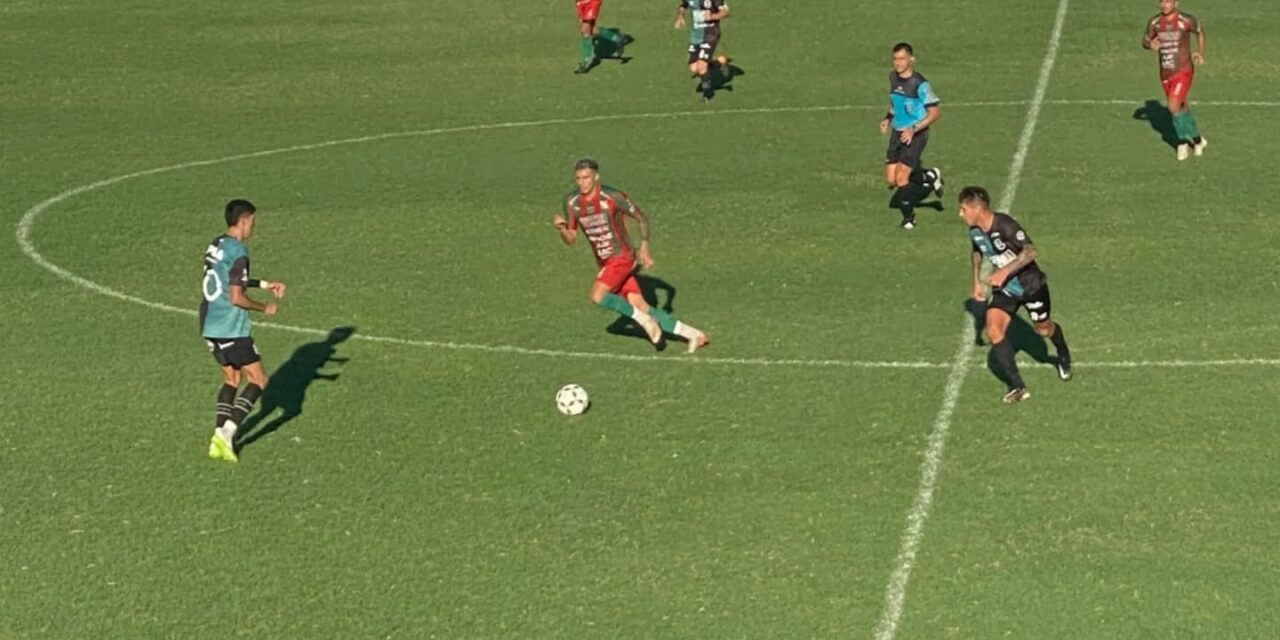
{"x": 572, "y": 400}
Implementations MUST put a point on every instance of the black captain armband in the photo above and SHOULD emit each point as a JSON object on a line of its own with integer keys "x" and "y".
{"x": 252, "y": 283}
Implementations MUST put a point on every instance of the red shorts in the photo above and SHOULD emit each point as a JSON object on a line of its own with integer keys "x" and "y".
{"x": 589, "y": 10}
{"x": 1178, "y": 85}
{"x": 619, "y": 275}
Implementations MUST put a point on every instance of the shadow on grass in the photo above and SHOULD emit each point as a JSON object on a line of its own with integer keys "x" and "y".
{"x": 650, "y": 288}
{"x": 1160, "y": 119}
{"x": 1020, "y": 333}
{"x": 287, "y": 389}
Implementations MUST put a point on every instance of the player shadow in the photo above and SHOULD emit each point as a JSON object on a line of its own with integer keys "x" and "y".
{"x": 936, "y": 205}
{"x": 650, "y": 287}
{"x": 1161, "y": 120}
{"x": 1020, "y": 332}
{"x": 287, "y": 388}
{"x": 918, "y": 201}
{"x": 721, "y": 78}
{"x": 606, "y": 50}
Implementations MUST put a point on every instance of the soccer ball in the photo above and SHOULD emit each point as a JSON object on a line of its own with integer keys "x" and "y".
{"x": 572, "y": 400}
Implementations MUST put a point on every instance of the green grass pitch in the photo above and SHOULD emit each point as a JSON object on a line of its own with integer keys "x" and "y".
{"x": 429, "y": 489}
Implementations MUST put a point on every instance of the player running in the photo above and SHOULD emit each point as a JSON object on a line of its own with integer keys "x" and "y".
{"x": 599, "y": 210}
{"x": 1169, "y": 34}
{"x": 1017, "y": 281}
{"x": 704, "y": 36}
{"x": 588, "y": 13}
{"x": 913, "y": 108}
{"x": 224, "y": 323}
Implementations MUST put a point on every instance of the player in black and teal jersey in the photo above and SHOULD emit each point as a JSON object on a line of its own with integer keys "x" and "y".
{"x": 913, "y": 108}
{"x": 225, "y": 324}
{"x": 704, "y": 36}
{"x": 1016, "y": 281}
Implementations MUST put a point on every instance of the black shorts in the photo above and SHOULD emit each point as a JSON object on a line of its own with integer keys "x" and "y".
{"x": 233, "y": 352}
{"x": 706, "y": 51}
{"x": 908, "y": 154}
{"x": 1038, "y": 304}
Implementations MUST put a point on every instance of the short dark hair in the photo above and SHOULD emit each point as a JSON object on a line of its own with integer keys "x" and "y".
{"x": 237, "y": 209}
{"x": 904, "y": 46}
{"x": 586, "y": 163}
{"x": 969, "y": 194}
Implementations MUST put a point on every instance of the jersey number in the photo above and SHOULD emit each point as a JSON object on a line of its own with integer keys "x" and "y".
{"x": 211, "y": 276}
{"x": 211, "y": 257}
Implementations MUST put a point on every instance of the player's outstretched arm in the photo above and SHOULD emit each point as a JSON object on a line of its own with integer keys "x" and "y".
{"x": 978, "y": 288}
{"x": 634, "y": 212}
{"x": 239, "y": 299}
{"x": 1199, "y": 55}
{"x": 680, "y": 17}
{"x": 276, "y": 288}
{"x": 1025, "y": 257}
{"x": 1149, "y": 39}
{"x": 567, "y": 235}
{"x": 931, "y": 116}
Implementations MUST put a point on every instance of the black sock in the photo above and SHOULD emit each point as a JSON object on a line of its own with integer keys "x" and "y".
{"x": 1004, "y": 358}
{"x": 244, "y": 404}
{"x": 1197, "y": 140}
{"x": 923, "y": 177}
{"x": 1060, "y": 342}
{"x": 226, "y": 396}
{"x": 904, "y": 200}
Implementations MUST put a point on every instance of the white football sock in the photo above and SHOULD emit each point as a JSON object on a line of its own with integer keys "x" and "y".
{"x": 228, "y": 431}
{"x": 685, "y": 331}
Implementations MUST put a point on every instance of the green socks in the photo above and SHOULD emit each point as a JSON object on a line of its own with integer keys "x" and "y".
{"x": 616, "y": 304}
{"x": 588, "y": 51}
{"x": 664, "y": 319}
{"x": 1184, "y": 125}
{"x": 1189, "y": 121}
{"x": 612, "y": 34}
{"x": 607, "y": 43}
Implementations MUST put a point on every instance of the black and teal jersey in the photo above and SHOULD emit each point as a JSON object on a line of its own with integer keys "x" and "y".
{"x": 911, "y": 98}
{"x": 1000, "y": 245}
{"x": 702, "y": 30}
{"x": 226, "y": 263}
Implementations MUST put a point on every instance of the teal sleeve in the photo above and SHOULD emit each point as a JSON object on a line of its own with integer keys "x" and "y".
{"x": 926, "y": 94}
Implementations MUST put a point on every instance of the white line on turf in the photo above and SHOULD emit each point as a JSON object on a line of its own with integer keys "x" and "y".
{"x": 1182, "y": 364}
{"x": 896, "y": 590}
{"x": 29, "y": 218}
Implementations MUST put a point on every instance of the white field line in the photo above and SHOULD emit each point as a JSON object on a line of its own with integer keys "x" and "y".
{"x": 896, "y": 590}
{"x": 29, "y": 218}
{"x": 1183, "y": 364}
